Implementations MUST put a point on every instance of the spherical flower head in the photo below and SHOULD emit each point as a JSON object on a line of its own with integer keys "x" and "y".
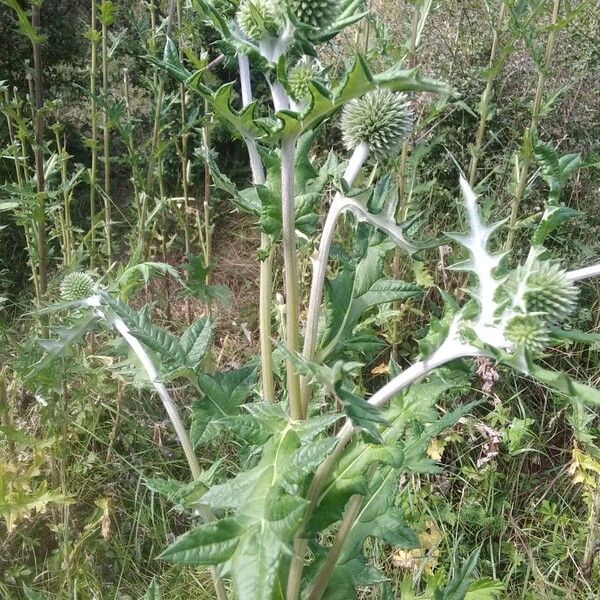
{"x": 76, "y": 286}
{"x": 299, "y": 79}
{"x": 258, "y": 17}
{"x": 316, "y": 13}
{"x": 528, "y": 332}
{"x": 380, "y": 118}
{"x": 550, "y": 291}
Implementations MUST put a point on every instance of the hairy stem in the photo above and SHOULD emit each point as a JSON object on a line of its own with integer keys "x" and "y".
{"x": 291, "y": 273}
{"x": 171, "y": 409}
{"x": 266, "y": 263}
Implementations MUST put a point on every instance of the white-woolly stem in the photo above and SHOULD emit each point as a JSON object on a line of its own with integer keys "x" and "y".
{"x": 163, "y": 394}
{"x": 266, "y": 264}
{"x": 280, "y": 98}
{"x": 359, "y": 156}
{"x": 205, "y": 512}
{"x": 584, "y": 273}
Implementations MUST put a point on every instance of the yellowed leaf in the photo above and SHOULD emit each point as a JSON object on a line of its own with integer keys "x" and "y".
{"x": 382, "y": 369}
{"x": 436, "y": 447}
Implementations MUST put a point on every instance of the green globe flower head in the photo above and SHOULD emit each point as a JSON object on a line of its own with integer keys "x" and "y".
{"x": 550, "y": 291}
{"x": 380, "y": 118}
{"x": 76, "y": 286}
{"x": 299, "y": 79}
{"x": 258, "y": 17}
{"x": 315, "y": 13}
{"x": 528, "y": 332}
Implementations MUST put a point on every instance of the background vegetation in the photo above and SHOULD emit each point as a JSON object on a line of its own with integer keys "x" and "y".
{"x": 126, "y": 183}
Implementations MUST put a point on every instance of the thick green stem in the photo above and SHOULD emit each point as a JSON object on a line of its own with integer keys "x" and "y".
{"x": 266, "y": 263}
{"x": 324, "y": 576}
{"x": 535, "y": 114}
{"x": 291, "y": 274}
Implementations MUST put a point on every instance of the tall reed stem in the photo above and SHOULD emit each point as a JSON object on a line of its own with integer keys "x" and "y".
{"x": 94, "y": 133}
{"x": 535, "y": 114}
{"x": 184, "y": 162}
{"x": 106, "y": 21}
{"x": 39, "y": 154}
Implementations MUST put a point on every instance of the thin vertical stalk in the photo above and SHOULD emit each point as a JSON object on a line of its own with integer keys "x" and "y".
{"x": 94, "y": 132}
{"x": 106, "y": 134}
{"x": 207, "y": 192}
{"x": 39, "y": 154}
{"x": 23, "y": 172}
{"x": 485, "y": 98}
{"x": 266, "y": 262}
{"x": 63, "y": 467}
{"x": 291, "y": 274}
{"x": 184, "y": 164}
{"x": 324, "y": 576}
{"x": 535, "y": 114}
{"x": 65, "y": 215}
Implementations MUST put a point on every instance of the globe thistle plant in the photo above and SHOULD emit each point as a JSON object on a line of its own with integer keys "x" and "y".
{"x": 528, "y": 332}
{"x": 381, "y": 119}
{"x": 256, "y": 18}
{"x": 549, "y": 291}
{"x": 299, "y": 79}
{"x": 315, "y": 13}
{"x": 76, "y": 286}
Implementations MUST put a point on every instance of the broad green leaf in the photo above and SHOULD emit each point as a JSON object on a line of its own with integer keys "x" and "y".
{"x": 195, "y": 341}
{"x": 209, "y": 544}
{"x": 379, "y": 518}
{"x": 255, "y": 565}
{"x": 307, "y": 458}
{"x": 223, "y": 395}
{"x": 552, "y": 218}
{"x": 359, "y": 286}
{"x": 485, "y": 589}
